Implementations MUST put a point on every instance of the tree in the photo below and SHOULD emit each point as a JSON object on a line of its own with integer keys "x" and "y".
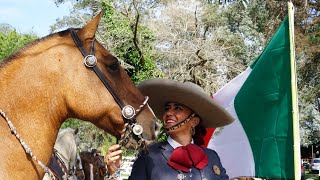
{"x": 11, "y": 41}
{"x": 180, "y": 46}
{"x": 308, "y": 55}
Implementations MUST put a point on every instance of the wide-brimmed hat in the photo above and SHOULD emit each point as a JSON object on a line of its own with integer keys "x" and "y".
{"x": 162, "y": 91}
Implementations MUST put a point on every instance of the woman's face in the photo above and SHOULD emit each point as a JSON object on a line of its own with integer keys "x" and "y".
{"x": 176, "y": 113}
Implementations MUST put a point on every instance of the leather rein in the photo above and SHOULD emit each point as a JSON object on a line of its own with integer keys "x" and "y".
{"x": 129, "y": 114}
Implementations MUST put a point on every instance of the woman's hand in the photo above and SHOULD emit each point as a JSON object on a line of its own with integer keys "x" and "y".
{"x": 113, "y": 158}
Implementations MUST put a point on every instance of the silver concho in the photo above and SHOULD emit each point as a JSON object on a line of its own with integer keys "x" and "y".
{"x": 128, "y": 112}
{"x": 90, "y": 60}
{"x": 137, "y": 129}
{"x": 181, "y": 176}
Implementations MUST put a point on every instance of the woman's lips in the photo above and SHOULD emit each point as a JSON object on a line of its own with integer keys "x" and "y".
{"x": 170, "y": 122}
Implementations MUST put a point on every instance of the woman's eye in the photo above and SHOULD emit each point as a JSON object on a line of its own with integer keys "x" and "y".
{"x": 178, "y": 108}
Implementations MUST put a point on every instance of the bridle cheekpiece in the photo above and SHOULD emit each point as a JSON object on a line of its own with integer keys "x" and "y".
{"x": 129, "y": 114}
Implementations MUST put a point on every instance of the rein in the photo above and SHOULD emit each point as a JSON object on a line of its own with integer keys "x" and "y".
{"x": 129, "y": 114}
{"x": 25, "y": 146}
{"x": 61, "y": 157}
{"x": 58, "y": 166}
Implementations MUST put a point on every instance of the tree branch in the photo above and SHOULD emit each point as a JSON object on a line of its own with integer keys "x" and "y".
{"x": 135, "y": 40}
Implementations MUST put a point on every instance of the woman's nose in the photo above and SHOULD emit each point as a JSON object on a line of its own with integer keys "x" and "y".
{"x": 169, "y": 112}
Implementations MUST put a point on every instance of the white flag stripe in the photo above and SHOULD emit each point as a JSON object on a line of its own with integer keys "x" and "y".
{"x": 234, "y": 148}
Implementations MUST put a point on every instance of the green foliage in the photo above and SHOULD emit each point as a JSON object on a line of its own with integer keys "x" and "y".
{"x": 309, "y": 117}
{"x": 135, "y": 52}
{"x": 72, "y": 123}
{"x": 162, "y": 137}
{"x": 238, "y": 27}
{"x": 314, "y": 39}
{"x": 11, "y": 41}
{"x": 212, "y": 16}
{"x": 90, "y": 136}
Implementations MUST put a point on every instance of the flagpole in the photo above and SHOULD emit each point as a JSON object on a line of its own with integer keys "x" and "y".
{"x": 295, "y": 111}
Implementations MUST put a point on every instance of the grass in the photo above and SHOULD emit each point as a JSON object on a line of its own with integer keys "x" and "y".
{"x": 311, "y": 176}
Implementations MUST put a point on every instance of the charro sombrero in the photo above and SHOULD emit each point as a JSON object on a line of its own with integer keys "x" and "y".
{"x": 162, "y": 91}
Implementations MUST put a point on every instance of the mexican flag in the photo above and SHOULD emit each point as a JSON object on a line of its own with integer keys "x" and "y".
{"x": 264, "y": 139}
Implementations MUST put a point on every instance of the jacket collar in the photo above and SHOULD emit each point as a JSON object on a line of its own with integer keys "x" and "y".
{"x": 166, "y": 149}
{"x": 174, "y": 143}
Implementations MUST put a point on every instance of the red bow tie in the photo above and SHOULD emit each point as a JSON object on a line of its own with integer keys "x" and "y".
{"x": 184, "y": 157}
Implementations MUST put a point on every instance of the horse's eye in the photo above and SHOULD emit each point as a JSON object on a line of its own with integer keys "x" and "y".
{"x": 114, "y": 66}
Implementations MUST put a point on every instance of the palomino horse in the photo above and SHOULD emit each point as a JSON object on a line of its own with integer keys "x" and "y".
{"x": 63, "y": 160}
{"x": 46, "y": 82}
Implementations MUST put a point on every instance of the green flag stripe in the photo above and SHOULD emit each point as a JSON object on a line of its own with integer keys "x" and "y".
{"x": 264, "y": 108}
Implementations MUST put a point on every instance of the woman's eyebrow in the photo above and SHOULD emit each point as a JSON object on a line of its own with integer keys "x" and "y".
{"x": 178, "y": 104}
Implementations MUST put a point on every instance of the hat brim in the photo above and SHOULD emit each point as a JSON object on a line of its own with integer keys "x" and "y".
{"x": 162, "y": 91}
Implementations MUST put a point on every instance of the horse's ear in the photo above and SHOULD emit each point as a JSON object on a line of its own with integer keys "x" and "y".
{"x": 89, "y": 30}
{"x": 76, "y": 131}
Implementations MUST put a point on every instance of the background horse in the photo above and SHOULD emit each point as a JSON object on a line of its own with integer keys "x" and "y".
{"x": 46, "y": 82}
{"x": 63, "y": 159}
{"x": 94, "y": 167}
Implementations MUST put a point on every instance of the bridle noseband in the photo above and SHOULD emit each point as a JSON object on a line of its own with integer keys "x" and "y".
{"x": 129, "y": 114}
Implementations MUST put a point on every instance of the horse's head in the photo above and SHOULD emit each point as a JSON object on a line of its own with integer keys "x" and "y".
{"x": 65, "y": 153}
{"x": 98, "y": 92}
{"x": 93, "y": 165}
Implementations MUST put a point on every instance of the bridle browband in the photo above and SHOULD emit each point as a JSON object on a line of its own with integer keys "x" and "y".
{"x": 129, "y": 114}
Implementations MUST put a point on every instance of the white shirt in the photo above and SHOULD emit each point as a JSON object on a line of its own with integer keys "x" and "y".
{"x": 174, "y": 143}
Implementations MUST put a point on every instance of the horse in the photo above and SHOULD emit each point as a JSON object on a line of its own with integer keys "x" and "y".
{"x": 93, "y": 165}
{"x": 68, "y": 74}
{"x": 63, "y": 160}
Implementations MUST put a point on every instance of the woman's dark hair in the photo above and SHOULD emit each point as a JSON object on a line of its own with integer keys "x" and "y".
{"x": 199, "y": 134}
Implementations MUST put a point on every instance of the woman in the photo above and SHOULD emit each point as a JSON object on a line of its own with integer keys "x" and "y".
{"x": 186, "y": 111}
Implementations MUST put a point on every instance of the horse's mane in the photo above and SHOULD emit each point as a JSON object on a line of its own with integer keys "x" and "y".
{"x": 17, "y": 53}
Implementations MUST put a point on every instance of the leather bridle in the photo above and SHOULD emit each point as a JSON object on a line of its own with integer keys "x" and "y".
{"x": 129, "y": 114}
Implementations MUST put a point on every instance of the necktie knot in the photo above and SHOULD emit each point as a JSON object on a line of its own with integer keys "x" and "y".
{"x": 185, "y": 157}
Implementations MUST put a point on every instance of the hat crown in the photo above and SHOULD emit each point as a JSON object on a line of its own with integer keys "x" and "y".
{"x": 193, "y": 86}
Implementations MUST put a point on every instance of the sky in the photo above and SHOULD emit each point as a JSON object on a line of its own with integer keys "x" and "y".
{"x": 32, "y": 15}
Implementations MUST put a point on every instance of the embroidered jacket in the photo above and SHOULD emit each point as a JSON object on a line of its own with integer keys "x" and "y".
{"x": 153, "y": 166}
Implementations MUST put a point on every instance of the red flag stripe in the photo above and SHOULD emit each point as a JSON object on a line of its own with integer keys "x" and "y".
{"x": 208, "y": 136}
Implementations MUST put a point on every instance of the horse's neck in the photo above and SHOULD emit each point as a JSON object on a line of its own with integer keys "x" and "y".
{"x": 29, "y": 89}
{"x": 31, "y": 104}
